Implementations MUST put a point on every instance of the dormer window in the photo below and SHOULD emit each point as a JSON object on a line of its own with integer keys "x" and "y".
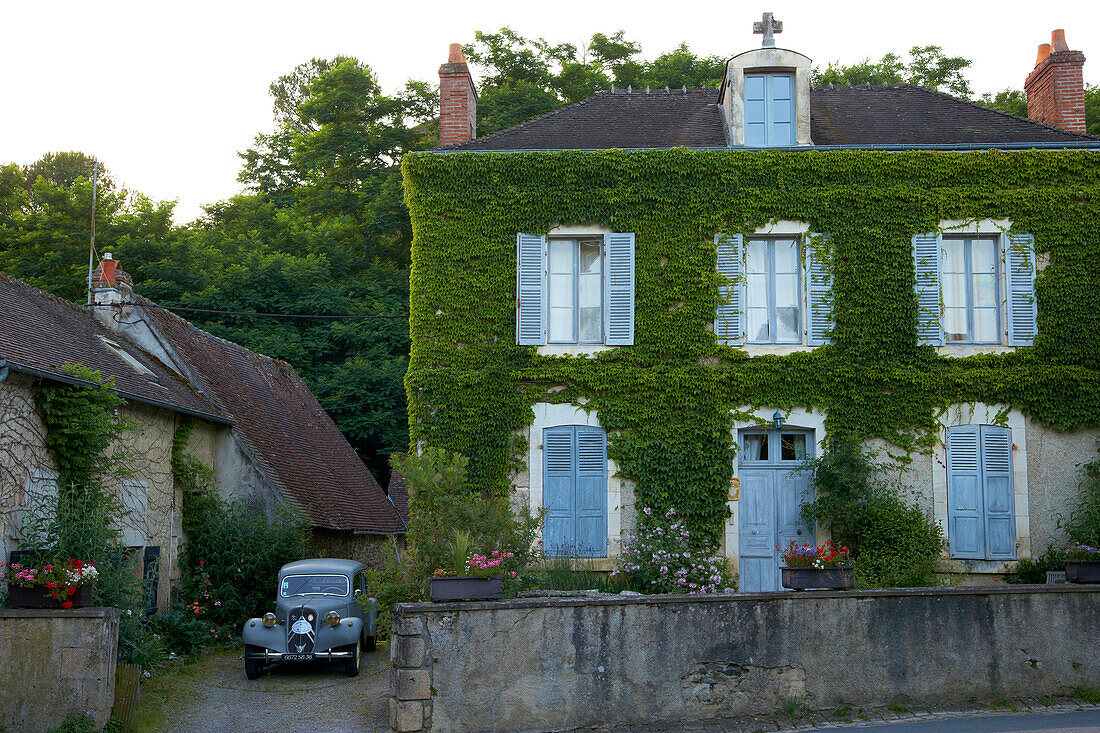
{"x": 765, "y": 94}
{"x": 769, "y": 109}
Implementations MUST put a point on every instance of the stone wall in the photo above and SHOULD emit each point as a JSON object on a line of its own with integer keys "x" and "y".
{"x": 28, "y": 476}
{"x": 561, "y": 663}
{"x": 370, "y": 549}
{"x": 56, "y": 663}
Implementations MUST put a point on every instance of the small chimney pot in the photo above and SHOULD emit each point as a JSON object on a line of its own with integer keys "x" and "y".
{"x": 1044, "y": 51}
{"x": 1058, "y": 40}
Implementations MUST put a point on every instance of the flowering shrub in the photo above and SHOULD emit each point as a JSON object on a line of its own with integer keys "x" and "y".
{"x": 1083, "y": 553}
{"x": 660, "y": 559}
{"x": 483, "y": 566}
{"x": 61, "y": 581}
{"x": 808, "y": 556}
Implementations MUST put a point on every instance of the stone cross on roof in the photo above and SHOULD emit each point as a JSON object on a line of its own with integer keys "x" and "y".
{"x": 768, "y": 26}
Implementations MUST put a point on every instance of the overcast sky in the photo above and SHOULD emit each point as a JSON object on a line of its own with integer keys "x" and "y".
{"x": 167, "y": 93}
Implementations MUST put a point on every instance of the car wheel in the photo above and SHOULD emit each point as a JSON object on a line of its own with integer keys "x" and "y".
{"x": 369, "y": 643}
{"x": 351, "y": 664}
{"x": 253, "y": 668}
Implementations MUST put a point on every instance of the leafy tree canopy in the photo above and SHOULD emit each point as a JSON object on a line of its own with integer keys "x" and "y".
{"x": 927, "y": 67}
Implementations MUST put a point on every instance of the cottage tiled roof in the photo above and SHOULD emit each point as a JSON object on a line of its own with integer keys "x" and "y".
{"x": 899, "y": 114}
{"x": 284, "y": 428}
{"x": 41, "y": 333}
{"x": 399, "y": 491}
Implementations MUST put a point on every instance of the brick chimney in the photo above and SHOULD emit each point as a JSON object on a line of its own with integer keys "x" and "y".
{"x": 1055, "y": 88}
{"x": 110, "y": 284}
{"x": 457, "y": 100}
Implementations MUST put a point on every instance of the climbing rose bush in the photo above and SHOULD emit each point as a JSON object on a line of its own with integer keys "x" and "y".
{"x": 660, "y": 559}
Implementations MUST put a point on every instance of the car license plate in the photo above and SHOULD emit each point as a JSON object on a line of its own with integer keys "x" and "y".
{"x": 297, "y": 657}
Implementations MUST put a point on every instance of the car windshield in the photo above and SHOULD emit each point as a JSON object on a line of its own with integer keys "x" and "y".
{"x": 324, "y": 585}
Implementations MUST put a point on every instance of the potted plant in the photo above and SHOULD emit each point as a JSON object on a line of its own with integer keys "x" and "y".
{"x": 474, "y": 577}
{"x": 51, "y": 585}
{"x": 817, "y": 567}
{"x": 1083, "y": 564}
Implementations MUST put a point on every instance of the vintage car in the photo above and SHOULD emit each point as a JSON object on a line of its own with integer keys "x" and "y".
{"x": 322, "y": 611}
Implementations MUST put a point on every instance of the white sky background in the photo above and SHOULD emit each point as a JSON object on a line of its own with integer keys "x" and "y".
{"x": 165, "y": 94}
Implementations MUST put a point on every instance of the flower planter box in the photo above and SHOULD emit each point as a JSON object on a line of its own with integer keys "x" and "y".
{"x": 1083, "y": 572}
{"x": 829, "y": 578}
{"x": 470, "y": 588}
{"x": 37, "y": 597}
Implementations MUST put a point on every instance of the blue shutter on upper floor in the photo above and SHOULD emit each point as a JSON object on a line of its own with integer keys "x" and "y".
{"x": 591, "y": 492}
{"x": 965, "y": 527}
{"x": 1000, "y": 519}
{"x": 530, "y": 289}
{"x": 1019, "y": 252}
{"x": 729, "y": 315}
{"x": 926, "y": 265}
{"x": 819, "y": 291}
{"x": 558, "y": 489}
{"x": 619, "y": 290}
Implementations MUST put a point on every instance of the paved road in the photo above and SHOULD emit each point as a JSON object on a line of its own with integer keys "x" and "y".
{"x": 303, "y": 698}
{"x": 1070, "y": 722}
{"x": 1054, "y": 722}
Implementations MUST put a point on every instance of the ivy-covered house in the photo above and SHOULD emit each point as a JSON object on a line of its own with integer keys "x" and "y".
{"x": 671, "y": 298}
{"x": 248, "y": 418}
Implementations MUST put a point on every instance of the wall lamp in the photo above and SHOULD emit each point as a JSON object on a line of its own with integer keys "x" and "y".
{"x": 778, "y": 418}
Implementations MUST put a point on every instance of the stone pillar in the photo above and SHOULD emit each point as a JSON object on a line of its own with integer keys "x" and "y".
{"x": 411, "y": 702}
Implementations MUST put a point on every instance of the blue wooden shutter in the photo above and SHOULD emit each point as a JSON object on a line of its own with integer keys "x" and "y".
{"x": 530, "y": 289}
{"x": 591, "y": 492}
{"x": 819, "y": 291}
{"x": 965, "y": 528}
{"x": 558, "y": 491}
{"x": 926, "y": 264}
{"x": 1000, "y": 519}
{"x": 1020, "y": 275}
{"x": 619, "y": 279}
{"x": 730, "y": 313}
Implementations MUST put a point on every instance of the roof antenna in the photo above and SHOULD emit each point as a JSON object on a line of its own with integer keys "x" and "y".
{"x": 91, "y": 249}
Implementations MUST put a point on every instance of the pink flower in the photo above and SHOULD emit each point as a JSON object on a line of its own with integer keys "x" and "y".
{"x": 217, "y": 603}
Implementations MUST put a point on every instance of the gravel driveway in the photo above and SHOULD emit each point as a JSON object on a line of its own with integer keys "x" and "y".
{"x": 215, "y": 697}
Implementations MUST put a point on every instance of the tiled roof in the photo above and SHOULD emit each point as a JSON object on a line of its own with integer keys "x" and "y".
{"x": 901, "y": 114}
{"x": 284, "y": 428}
{"x": 41, "y": 333}
{"x": 399, "y": 492}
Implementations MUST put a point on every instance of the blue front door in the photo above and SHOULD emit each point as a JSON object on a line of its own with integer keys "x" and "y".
{"x": 772, "y": 494}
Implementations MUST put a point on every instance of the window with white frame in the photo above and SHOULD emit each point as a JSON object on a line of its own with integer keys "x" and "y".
{"x": 769, "y": 109}
{"x": 773, "y": 293}
{"x": 971, "y": 292}
{"x": 576, "y": 290}
{"x": 774, "y": 289}
{"x": 975, "y": 289}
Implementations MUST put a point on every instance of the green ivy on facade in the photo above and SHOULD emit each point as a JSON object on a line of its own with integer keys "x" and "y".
{"x": 668, "y": 403}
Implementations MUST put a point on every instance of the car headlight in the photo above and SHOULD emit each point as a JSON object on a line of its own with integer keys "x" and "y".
{"x": 269, "y": 619}
{"x": 333, "y": 618}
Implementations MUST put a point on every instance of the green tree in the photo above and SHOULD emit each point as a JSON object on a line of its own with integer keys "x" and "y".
{"x": 927, "y": 67}
{"x": 1012, "y": 101}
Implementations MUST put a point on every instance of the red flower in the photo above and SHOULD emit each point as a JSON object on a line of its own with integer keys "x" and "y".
{"x": 67, "y": 604}
{"x": 51, "y": 586}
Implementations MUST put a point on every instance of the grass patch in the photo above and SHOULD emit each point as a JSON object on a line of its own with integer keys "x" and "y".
{"x": 1086, "y": 693}
{"x": 843, "y": 712}
{"x": 1045, "y": 700}
{"x": 1003, "y": 703}
{"x": 899, "y": 704}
